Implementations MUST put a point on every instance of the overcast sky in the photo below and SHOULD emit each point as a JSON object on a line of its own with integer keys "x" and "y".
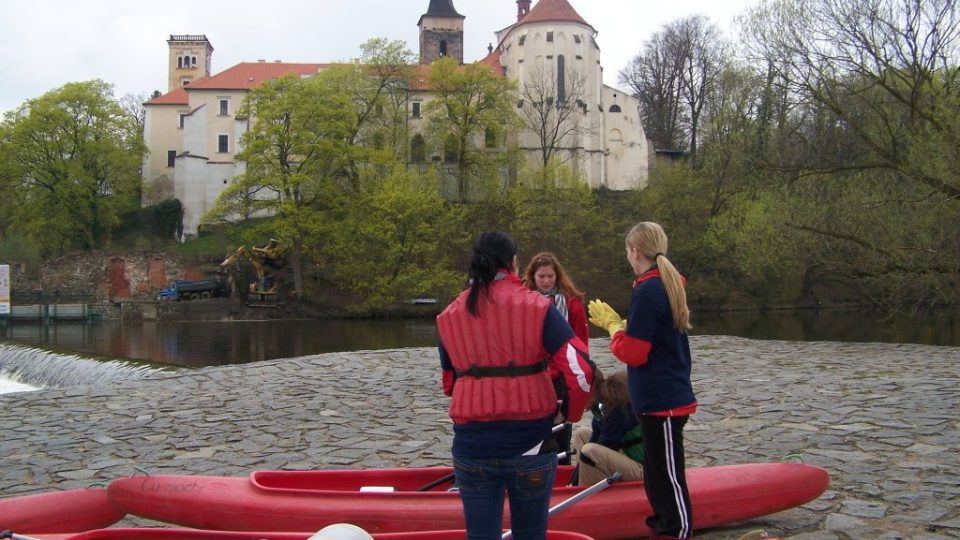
{"x": 47, "y": 43}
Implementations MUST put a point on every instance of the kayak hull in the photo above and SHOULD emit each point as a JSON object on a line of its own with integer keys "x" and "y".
{"x": 194, "y": 534}
{"x": 58, "y": 511}
{"x": 386, "y": 500}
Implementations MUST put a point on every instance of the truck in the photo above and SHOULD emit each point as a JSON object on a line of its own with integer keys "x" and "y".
{"x": 193, "y": 289}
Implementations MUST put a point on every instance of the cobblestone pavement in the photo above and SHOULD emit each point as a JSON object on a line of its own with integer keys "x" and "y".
{"x": 882, "y": 418}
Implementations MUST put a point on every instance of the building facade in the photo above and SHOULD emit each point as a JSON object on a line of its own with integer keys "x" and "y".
{"x": 193, "y": 132}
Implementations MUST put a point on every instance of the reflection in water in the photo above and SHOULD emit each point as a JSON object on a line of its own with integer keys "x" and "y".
{"x": 196, "y": 344}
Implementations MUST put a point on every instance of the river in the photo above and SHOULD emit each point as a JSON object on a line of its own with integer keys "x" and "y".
{"x": 197, "y": 344}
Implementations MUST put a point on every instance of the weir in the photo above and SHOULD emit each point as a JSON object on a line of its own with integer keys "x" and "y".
{"x": 40, "y": 368}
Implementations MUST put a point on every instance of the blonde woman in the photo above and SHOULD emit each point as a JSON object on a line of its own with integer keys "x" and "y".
{"x": 653, "y": 342}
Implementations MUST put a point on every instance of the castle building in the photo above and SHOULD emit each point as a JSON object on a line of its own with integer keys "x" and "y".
{"x": 193, "y": 132}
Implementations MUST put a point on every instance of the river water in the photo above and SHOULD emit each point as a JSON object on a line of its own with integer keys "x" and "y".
{"x": 197, "y": 344}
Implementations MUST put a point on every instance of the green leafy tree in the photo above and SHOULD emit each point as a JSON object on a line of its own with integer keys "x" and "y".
{"x": 297, "y": 151}
{"x": 469, "y": 102}
{"x": 390, "y": 243}
{"x": 868, "y": 143}
{"x": 71, "y": 162}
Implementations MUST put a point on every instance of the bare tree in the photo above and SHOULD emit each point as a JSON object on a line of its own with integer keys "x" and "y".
{"x": 701, "y": 48}
{"x": 654, "y": 78}
{"x": 674, "y": 77}
{"x": 133, "y": 105}
{"x": 553, "y": 109}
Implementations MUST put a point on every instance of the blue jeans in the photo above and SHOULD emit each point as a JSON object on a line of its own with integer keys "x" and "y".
{"x": 528, "y": 481}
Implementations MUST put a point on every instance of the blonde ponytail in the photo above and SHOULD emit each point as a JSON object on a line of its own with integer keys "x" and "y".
{"x": 651, "y": 240}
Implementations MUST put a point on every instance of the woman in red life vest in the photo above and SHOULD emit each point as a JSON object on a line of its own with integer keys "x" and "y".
{"x": 652, "y": 341}
{"x": 546, "y": 275}
{"x": 499, "y": 342}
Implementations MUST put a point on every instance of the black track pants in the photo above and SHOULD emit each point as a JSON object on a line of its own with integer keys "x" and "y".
{"x": 664, "y": 476}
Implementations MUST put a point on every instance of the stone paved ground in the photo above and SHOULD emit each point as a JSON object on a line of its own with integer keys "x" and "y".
{"x": 882, "y": 418}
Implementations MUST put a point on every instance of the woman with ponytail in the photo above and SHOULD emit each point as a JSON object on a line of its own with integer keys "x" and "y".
{"x": 653, "y": 342}
{"x": 499, "y": 343}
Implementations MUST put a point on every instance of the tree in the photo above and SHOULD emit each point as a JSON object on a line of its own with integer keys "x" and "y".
{"x": 391, "y": 242}
{"x": 71, "y": 158}
{"x": 703, "y": 50}
{"x": 872, "y": 87}
{"x": 297, "y": 153}
{"x": 133, "y": 105}
{"x": 674, "y": 78}
{"x": 553, "y": 113}
{"x": 469, "y": 101}
{"x": 654, "y": 78}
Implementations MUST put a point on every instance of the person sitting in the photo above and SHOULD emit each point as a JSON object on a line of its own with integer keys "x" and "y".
{"x": 614, "y": 442}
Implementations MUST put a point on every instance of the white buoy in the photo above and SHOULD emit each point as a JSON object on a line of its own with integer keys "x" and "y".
{"x": 341, "y": 531}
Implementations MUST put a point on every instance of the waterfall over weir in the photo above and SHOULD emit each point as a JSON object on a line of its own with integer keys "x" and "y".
{"x": 39, "y": 368}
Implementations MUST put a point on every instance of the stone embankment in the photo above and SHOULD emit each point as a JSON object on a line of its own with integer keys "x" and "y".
{"x": 882, "y": 418}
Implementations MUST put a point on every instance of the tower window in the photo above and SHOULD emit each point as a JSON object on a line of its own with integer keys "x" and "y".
{"x": 415, "y": 109}
{"x": 614, "y": 108}
{"x": 171, "y": 157}
{"x": 223, "y": 143}
{"x": 576, "y": 38}
{"x": 489, "y": 138}
{"x": 224, "y": 107}
{"x": 183, "y": 118}
{"x": 561, "y": 83}
{"x": 443, "y": 48}
{"x": 549, "y": 36}
{"x": 522, "y": 39}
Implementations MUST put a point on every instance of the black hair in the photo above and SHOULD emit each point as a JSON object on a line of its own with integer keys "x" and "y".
{"x": 492, "y": 251}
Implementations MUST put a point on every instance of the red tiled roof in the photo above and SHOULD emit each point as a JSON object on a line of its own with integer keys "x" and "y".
{"x": 249, "y": 75}
{"x": 493, "y": 61}
{"x": 174, "y": 97}
{"x": 553, "y": 10}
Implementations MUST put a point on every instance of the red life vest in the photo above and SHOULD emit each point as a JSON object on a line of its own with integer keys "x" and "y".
{"x": 499, "y": 357}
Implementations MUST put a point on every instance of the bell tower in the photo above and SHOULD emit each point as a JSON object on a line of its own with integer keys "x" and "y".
{"x": 441, "y": 32}
{"x": 523, "y": 7}
{"x": 190, "y": 59}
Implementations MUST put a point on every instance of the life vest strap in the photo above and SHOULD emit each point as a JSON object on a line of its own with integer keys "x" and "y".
{"x": 510, "y": 370}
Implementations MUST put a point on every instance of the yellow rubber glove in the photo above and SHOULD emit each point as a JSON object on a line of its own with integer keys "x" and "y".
{"x": 602, "y": 315}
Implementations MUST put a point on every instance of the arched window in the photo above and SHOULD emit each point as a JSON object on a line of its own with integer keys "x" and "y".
{"x": 193, "y": 61}
{"x": 450, "y": 153}
{"x": 614, "y": 108}
{"x": 179, "y": 62}
{"x": 443, "y": 48}
{"x": 418, "y": 149}
{"x": 561, "y": 90}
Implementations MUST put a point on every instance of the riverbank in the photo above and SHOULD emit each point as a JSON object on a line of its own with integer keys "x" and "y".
{"x": 880, "y": 417}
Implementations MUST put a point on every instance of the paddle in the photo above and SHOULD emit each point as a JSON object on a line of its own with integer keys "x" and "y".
{"x": 589, "y": 492}
{"x": 8, "y": 534}
{"x": 448, "y": 477}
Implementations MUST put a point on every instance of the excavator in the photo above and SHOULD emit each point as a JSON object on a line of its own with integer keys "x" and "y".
{"x": 271, "y": 256}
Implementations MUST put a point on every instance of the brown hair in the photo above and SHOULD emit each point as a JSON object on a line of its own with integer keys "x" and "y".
{"x": 564, "y": 283}
{"x": 611, "y": 391}
{"x": 650, "y": 239}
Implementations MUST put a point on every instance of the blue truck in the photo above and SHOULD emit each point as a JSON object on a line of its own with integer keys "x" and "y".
{"x": 193, "y": 289}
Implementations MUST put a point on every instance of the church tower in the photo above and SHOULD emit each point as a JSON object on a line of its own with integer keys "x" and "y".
{"x": 441, "y": 32}
{"x": 523, "y": 7}
{"x": 190, "y": 59}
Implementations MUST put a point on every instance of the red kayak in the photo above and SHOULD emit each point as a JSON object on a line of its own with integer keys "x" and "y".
{"x": 388, "y": 500}
{"x": 193, "y": 534}
{"x": 58, "y": 511}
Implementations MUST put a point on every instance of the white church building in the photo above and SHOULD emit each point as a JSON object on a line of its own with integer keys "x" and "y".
{"x": 192, "y": 131}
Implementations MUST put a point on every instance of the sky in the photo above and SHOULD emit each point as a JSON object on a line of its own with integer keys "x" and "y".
{"x": 45, "y": 44}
